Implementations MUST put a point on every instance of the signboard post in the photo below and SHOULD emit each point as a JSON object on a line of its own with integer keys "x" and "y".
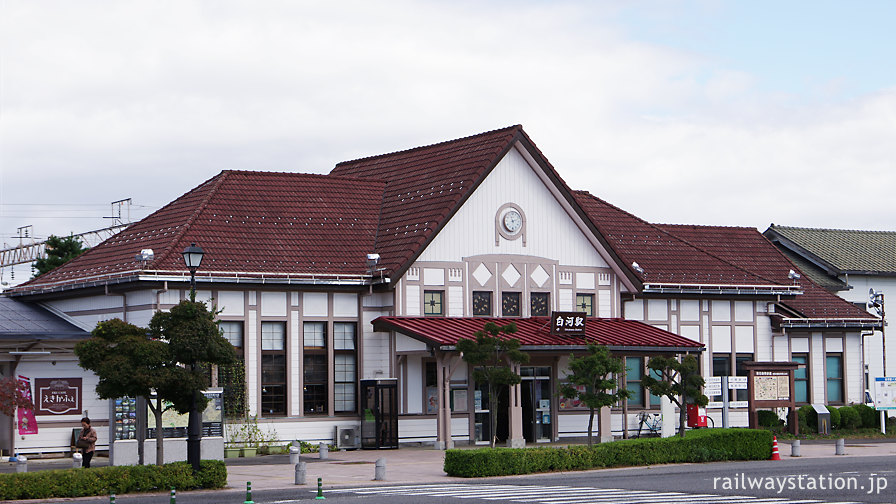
{"x": 771, "y": 386}
{"x": 884, "y": 398}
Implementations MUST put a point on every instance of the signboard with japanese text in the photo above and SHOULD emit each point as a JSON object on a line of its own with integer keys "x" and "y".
{"x": 885, "y": 393}
{"x": 771, "y": 386}
{"x": 568, "y": 323}
{"x": 58, "y": 396}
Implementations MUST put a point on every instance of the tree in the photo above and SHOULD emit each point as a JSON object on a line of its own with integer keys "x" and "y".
{"x": 194, "y": 342}
{"x": 130, "y": 362}
{"x": 491, "y": 353}
{"x": 59, "y": 251}
{"x": 591, "y": 380}
{"x": 13, "y": 394}
{"x": 680, "y": 381}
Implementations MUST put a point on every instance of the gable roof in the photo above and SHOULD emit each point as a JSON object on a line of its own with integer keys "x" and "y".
{"x": 25, "y": 321}
{"x": 840, "y": 250}
{"x": 425, "y": 186}
{"x": 534, "y": 332}
{"x": 251, "y": 225}
{"x": 750, "y": 249}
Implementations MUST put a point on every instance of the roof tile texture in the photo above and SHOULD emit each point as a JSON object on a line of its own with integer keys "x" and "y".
{"x": 845, "y": 249}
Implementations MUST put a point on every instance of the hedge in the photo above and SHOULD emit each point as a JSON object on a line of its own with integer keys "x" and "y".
{"x": 704, "y": 445}
{"x": 850, "y": 418}
{"x": 106, "y": 480}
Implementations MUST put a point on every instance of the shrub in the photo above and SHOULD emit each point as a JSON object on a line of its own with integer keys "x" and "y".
{"x": 105, "y": 480}
{"x": 698, "y": 446}
{"x": 835, "y": 417}
{"x": 870, "y": 416}
{"x": 808, "y": 418}
{"x": 849, "y": 418}
{"x": 768, "y": 418}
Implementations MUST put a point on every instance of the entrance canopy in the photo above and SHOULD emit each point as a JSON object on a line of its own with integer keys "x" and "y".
{"x": 534, "y": 333}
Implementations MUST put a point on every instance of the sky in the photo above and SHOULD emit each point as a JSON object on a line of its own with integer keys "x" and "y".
{"x": 701, "y": 112}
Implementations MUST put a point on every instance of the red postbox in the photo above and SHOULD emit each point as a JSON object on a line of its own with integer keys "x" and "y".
{"x": 696, "y": 416}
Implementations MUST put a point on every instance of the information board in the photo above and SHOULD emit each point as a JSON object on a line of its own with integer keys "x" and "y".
{"x": 885, "y": 393}
{"x": 771, "y": 387}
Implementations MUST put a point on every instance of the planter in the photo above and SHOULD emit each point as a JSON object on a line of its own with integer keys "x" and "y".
{"x": 248, "y": 452}
{"x": 231, "y": 452}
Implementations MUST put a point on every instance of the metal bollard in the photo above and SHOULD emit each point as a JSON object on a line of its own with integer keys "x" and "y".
{"x": 77, "y": 460}
{"x": 320, "y": 489}
{"x": 294, "y": 454}
{"x": 301, "y": 471}
{"x": 379, "y": 471}
{"x": 840, "y": 447}
{"x": 248, "y": 493}
{"x": 112, "y": 498}
{"x": 173, "y": 498}
{"x": 795, "y": 448}
{"x": 21, "y": 464}
{"x": 323, "y": 451}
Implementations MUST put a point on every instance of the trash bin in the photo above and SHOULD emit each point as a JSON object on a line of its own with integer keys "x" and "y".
{"x": 824, "y": 419}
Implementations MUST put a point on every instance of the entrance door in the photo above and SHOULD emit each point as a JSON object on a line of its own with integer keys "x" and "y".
{"x": 536, "y": 403}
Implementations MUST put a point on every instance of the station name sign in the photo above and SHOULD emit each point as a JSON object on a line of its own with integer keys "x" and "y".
{"x": 566, "y": 323}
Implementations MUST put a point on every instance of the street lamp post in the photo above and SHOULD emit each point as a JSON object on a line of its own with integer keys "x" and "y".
{"x": 192, "y": 259}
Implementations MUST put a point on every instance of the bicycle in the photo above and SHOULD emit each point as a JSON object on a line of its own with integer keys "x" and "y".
{"x": 653, "y": 422}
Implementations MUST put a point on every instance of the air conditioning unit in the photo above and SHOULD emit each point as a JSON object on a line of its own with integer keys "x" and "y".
{"x": 346, "y": 438}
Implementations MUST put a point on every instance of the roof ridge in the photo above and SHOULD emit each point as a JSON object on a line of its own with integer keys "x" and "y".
{"x": 199, "y": 208}
{"x": 839, "y": 230}
{"x": 428, "y": 146}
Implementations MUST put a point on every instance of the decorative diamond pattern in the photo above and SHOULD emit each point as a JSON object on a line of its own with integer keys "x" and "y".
{"x": 482, "y": 274}
{"x": 511, "y": 275}
{"x": 539, "y": 276}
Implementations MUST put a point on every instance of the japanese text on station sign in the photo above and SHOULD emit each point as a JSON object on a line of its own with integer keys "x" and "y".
{"x": 568, "y": 322}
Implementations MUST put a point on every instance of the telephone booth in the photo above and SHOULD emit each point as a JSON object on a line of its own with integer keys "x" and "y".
{"x": 379, "y": 413}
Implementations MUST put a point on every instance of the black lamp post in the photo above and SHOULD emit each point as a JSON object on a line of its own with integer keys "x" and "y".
{"x": 193, "y": 258}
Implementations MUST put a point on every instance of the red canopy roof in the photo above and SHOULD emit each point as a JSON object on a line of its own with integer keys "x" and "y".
{"x": 615, "y": 333}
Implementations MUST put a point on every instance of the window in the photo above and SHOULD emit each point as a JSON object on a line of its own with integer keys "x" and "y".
{"x": 314, "y": 392}
{"x": 634, "y": 371}
{"x": 273, "y": 368}
{"x": 834, "y": 371}
{"x": 585, "y": 303}
{"x": 721, "y": 366}
{"x": 430, "y": 390}
{"x": 742, "y": 394}
{"x": 233, "y": 332}
{"x": 801, "y": 378}
{"x": 344, "y": 366}
{"x": 432, "y": 302}
{"x": 655, "y": 400}
{"x": 539, "y": 304}
{"x": 510, "y": 304}
{"x": 482, "y": 304}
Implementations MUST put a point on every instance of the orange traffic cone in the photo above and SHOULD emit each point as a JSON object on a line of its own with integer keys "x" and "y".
{"x": 775, "y": 454}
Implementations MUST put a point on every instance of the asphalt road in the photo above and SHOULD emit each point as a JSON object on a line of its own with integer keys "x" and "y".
{"x": 828, "y": 480}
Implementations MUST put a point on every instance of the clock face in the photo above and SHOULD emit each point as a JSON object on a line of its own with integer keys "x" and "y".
{"x": 513, "y": 221}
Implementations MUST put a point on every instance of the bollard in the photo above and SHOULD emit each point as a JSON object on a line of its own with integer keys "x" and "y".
{"x": 301, "y": 470}
{"x": 173, "y": 498}
{"x": 295, "y": 454}
{"x": 379, "y": 471}
{"x": 77, "y": 460}
{"x": 320, "y": 489}
{"x": 21, "y": 464}
{"x": 795, "y": 448}
{"x": 112, "y": 498}
{"x": 840, "y": 447}
{"x": 323, "y": 451}
{"x": 248, "y": 493}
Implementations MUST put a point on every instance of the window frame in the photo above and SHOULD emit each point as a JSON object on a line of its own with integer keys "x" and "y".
{"x": 802, "y": 381}
{"x": 311, "y": 357}
{"x": 352, "y": 354}
{"x": 581, "y": 305}
{"x": 274, "y": 356}
{"x": 840, "y": 380}
{"x": 429, "y": 303}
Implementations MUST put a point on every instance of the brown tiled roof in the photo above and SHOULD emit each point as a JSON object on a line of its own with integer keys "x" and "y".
{"x": 663, "y": 256}
{"x": 749, "y": 249}
{"x": 613, "y": 332}
{"x": 844, "y": 250}
{"x": 246, "y": 222}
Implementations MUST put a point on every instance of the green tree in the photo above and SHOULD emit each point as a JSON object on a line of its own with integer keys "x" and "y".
{"x": 491, "y": 354}
{"x": 195, "y": 343}
{"x": 59, "y": 251}
{"x": 680, "y": 381}
{"x": 130, "y": 362}
{"x": 592, "y": 381}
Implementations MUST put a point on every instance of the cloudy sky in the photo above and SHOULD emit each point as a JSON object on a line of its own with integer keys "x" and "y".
{"x": 707, "y": 112}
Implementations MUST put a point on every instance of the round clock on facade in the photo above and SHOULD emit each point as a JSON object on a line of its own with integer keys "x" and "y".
{"x": 513, "y": 221}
